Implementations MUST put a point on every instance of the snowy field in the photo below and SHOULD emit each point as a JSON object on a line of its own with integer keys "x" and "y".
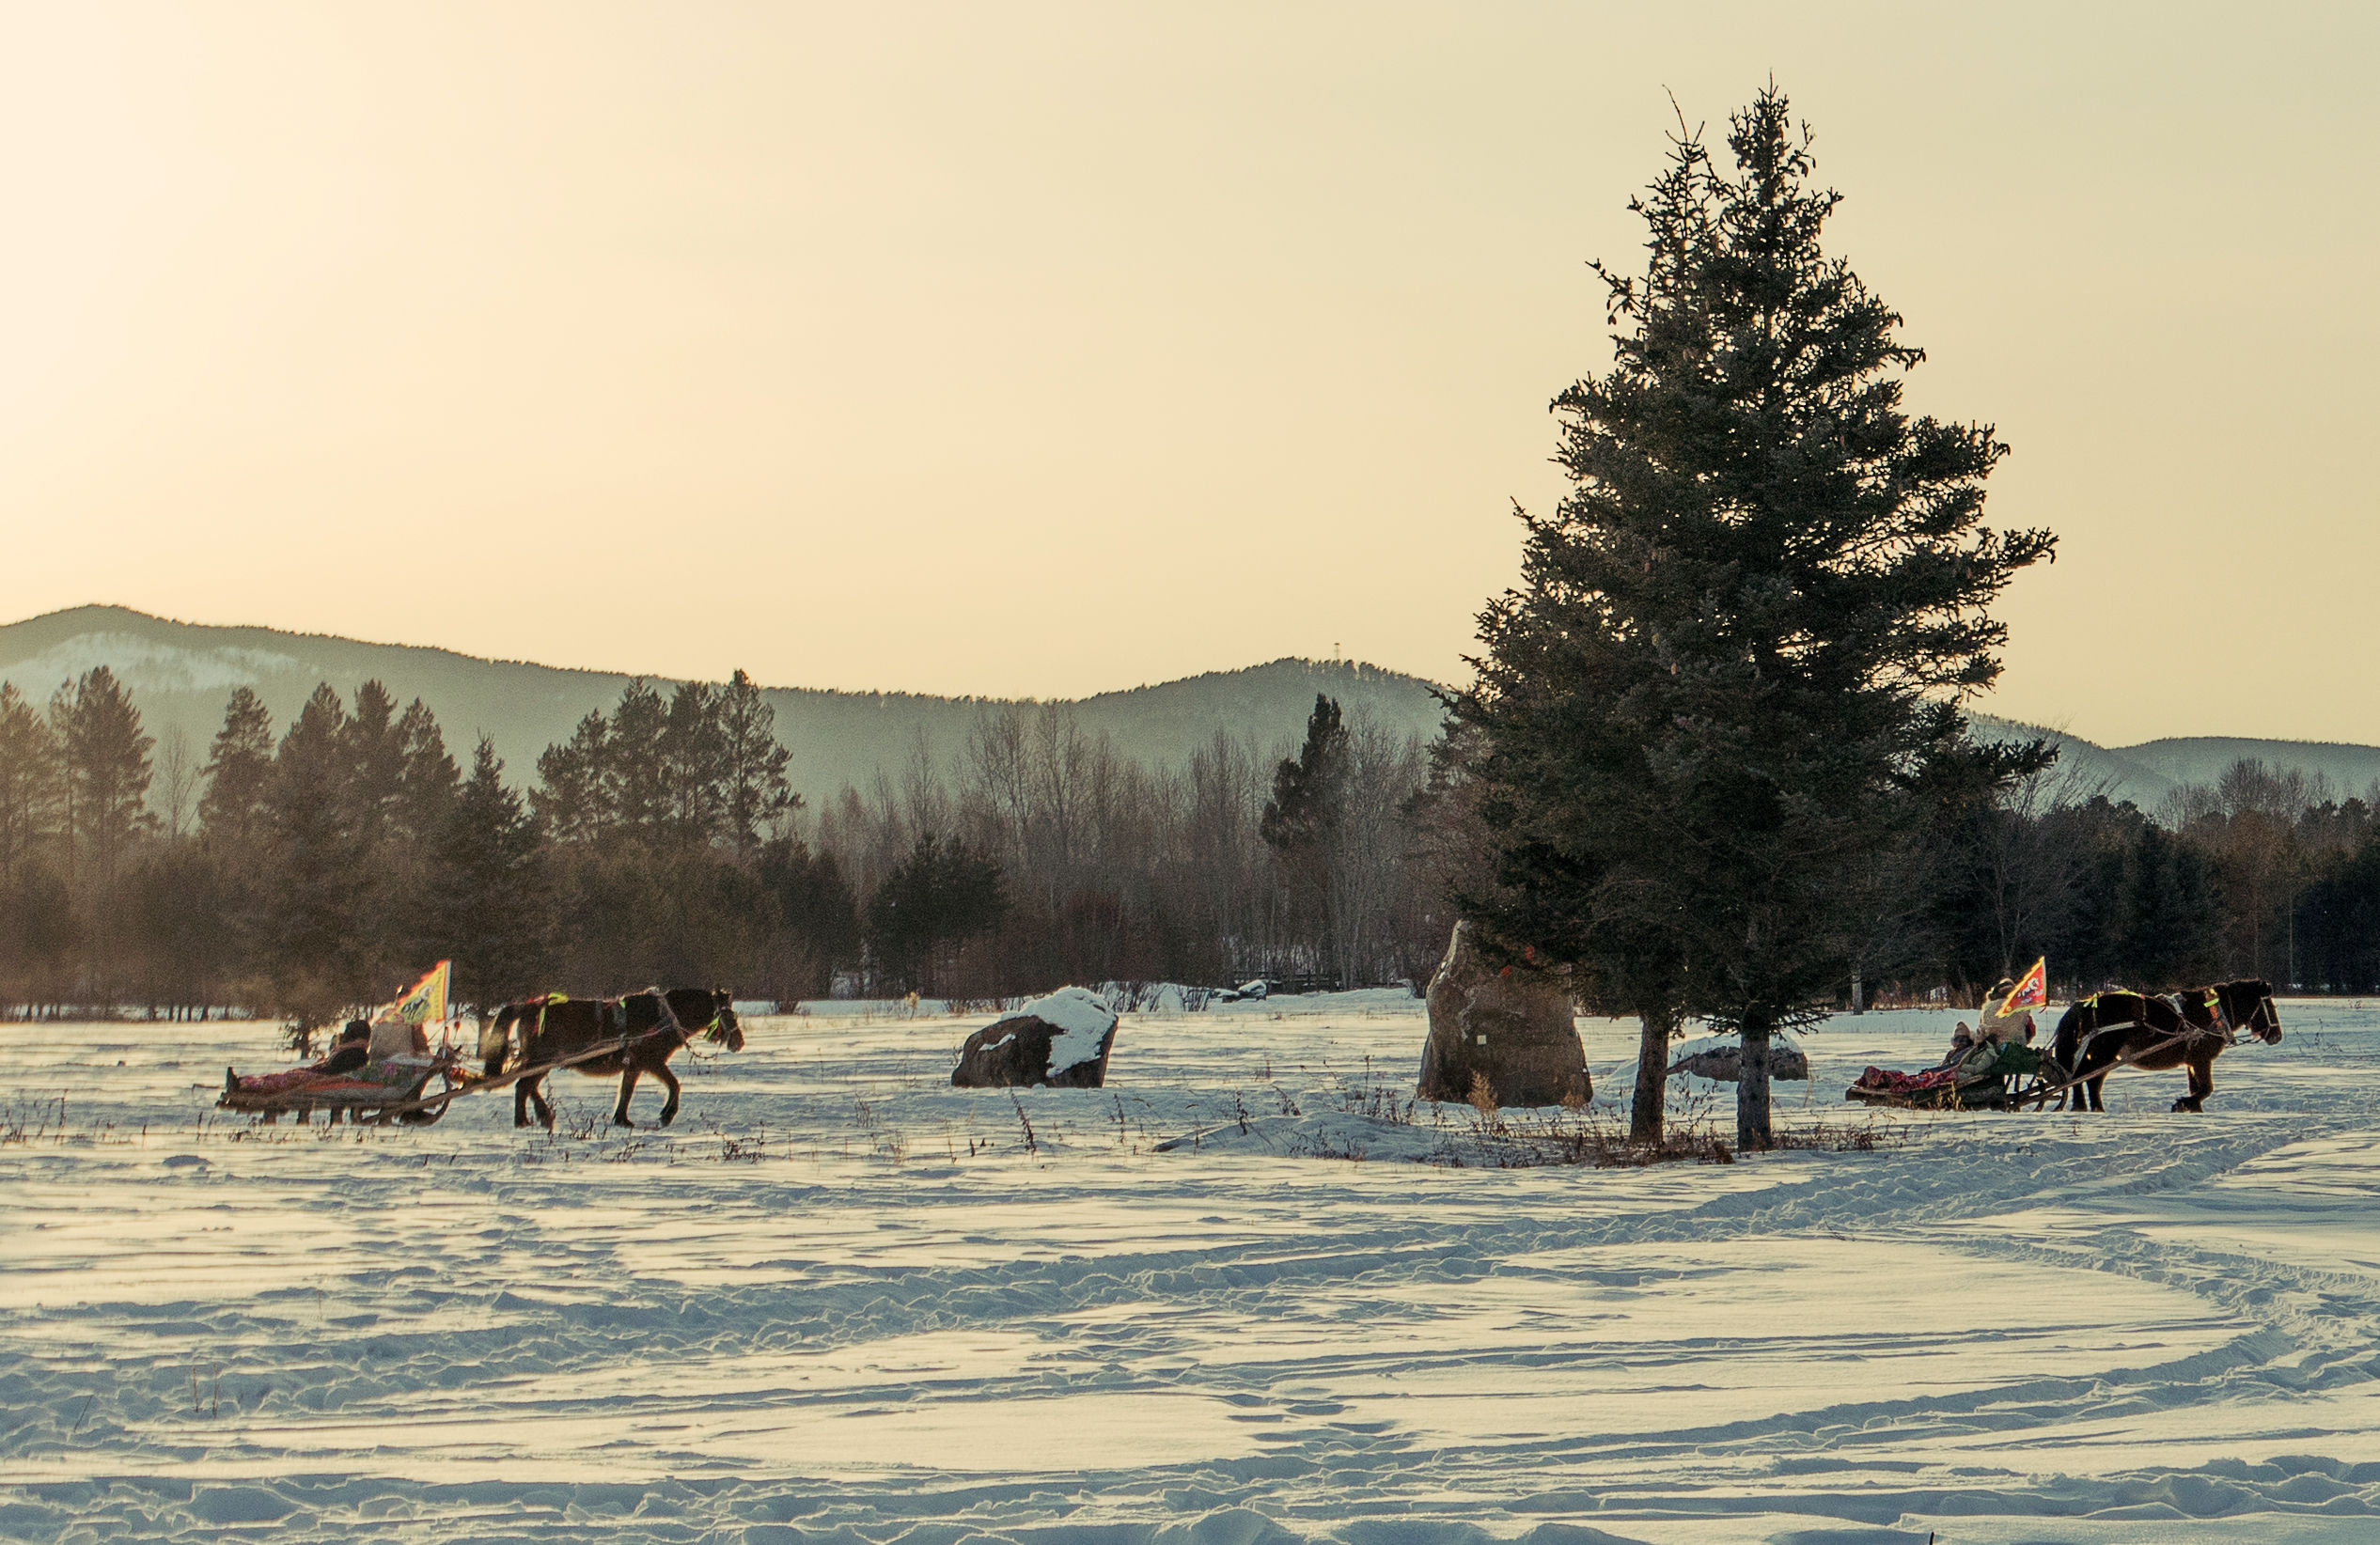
{"x": 842, "y": 1301}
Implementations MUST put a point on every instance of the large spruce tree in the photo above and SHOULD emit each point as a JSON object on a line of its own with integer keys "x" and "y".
{"x": 1742, "y": 639}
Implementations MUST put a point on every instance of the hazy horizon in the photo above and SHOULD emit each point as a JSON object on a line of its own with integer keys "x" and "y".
{"x": 853, "y": 347}
{"x": 1983, "y": 707}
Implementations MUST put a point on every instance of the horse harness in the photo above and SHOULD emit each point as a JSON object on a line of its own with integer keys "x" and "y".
{"x": 2219, "y": 1023}
{"x": 612, "y": 1014}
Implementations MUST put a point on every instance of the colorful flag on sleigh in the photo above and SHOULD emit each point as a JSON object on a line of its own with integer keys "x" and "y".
{"x": 2030, "y": 993}
{"x": 424, "y": 1002}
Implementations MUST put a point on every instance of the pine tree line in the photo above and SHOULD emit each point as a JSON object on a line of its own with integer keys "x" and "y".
{"x": 307, "y": 869}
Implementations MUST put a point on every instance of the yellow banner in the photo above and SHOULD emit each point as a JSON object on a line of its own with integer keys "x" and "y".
{"x": 424, "y": 1002}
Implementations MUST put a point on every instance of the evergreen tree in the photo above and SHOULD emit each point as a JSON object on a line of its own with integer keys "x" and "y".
{"x": 183, "y": 925}
{"x": 312, "y": 915}
{"x": 1741, "y": 640}
{"x": 1309, "y": 791}
{"x": 105, "y": 758}
{"x": 1304, "y": 821}
{"x": 574, "y": 798}
{"x": 636, "y": 762}
{"x": 373, "y": 797}
{"x": 2171, "y": 925}
{"x": 756, "y": 792}
{"x": 233, "y": 811}
{"x": 38, "y": 933}
{"x": 429, "y": 782}
{"x": 2338, "y": 923}
{"x": 30, "y": 805}
{"x": 376, "y": 768}
{"x": 491, "y": 895}
{"x": 818, "y": 918}
{"x": 693, "y": 765}
{"x": 931, "y": 902}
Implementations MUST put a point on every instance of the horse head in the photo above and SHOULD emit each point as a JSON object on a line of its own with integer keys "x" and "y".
{"x": 708, "y": 1013}
{"x": 724, "y": 1027}
{"x": 2248, "y": 1005}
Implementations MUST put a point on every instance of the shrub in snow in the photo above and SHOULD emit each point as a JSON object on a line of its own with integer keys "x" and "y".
{"x": 1061, "y": 1041}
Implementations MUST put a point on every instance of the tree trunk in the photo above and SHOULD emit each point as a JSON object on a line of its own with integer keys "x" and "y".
{"x": 1751, "y": 1090}
{"x": 1646, "y": 1114}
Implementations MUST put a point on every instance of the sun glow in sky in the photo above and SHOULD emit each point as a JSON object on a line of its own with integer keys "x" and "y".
{"x": 1043, "y": 349}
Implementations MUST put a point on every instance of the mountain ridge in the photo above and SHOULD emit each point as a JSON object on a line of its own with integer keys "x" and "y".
{"x": 180, "y": 673}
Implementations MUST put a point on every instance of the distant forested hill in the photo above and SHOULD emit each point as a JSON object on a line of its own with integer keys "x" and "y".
{"x": 180, "y": 673}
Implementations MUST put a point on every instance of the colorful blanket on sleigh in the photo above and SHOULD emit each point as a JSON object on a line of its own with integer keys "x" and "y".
{"x": 390, "y": 1077}
{"x": 1987, "y": 1061}
{"x": 1886, "y": 1080}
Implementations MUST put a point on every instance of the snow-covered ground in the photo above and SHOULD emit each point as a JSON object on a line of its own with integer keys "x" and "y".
{"x": 842, "y": 1300}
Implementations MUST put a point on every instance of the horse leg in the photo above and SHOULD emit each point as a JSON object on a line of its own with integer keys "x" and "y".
{"x": 627, "y": 1088}
{"x": 668, "y": 1112}
{"x": 2091, "y": 1086}
{"x": 2202, "y": 1085}
{"x": 521, "y": 1102}
{"x": 535, "y": 1089}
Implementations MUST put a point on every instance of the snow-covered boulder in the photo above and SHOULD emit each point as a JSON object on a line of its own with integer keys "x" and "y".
{"x": 1061, "y": 1041}
{"x": 1512, "y": 1026}
{"x": 1721, "y": 1061}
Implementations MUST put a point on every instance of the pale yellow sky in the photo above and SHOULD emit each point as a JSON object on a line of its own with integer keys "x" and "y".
{"x": 1039, "y": 349}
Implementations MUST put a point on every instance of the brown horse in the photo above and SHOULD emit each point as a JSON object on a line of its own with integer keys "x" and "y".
{"x": 654, "y": 1024}
{"x": 2191, "y": 1028}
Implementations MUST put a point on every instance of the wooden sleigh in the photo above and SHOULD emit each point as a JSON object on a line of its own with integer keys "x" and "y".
{"x": 1987, "y": 1092}
{"x": 415, "y": 1099}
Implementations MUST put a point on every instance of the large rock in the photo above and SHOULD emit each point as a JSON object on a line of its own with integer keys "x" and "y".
{"x": 1061, "y": 1041}
{"x": 1513, "y": 1024}
{"x": 1725, "y": 1064}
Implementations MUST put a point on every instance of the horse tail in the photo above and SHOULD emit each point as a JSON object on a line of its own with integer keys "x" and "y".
{"x": 495, "y": 1041}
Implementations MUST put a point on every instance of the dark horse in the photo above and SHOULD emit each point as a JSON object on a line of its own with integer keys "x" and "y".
{"x": 655, "y": 1023}
{"x": 2192, "y": 1027}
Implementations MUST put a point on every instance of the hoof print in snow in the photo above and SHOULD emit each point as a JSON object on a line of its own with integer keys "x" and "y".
{"x": 1510, "y": 1024}
{"x": 1721, "y": 1064}
{"x": 1061, "y": 1041}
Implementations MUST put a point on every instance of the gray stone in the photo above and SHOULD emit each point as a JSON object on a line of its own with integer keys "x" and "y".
{"x": 1785, "y": 1061}
{"x": 1511, "y": 1025}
